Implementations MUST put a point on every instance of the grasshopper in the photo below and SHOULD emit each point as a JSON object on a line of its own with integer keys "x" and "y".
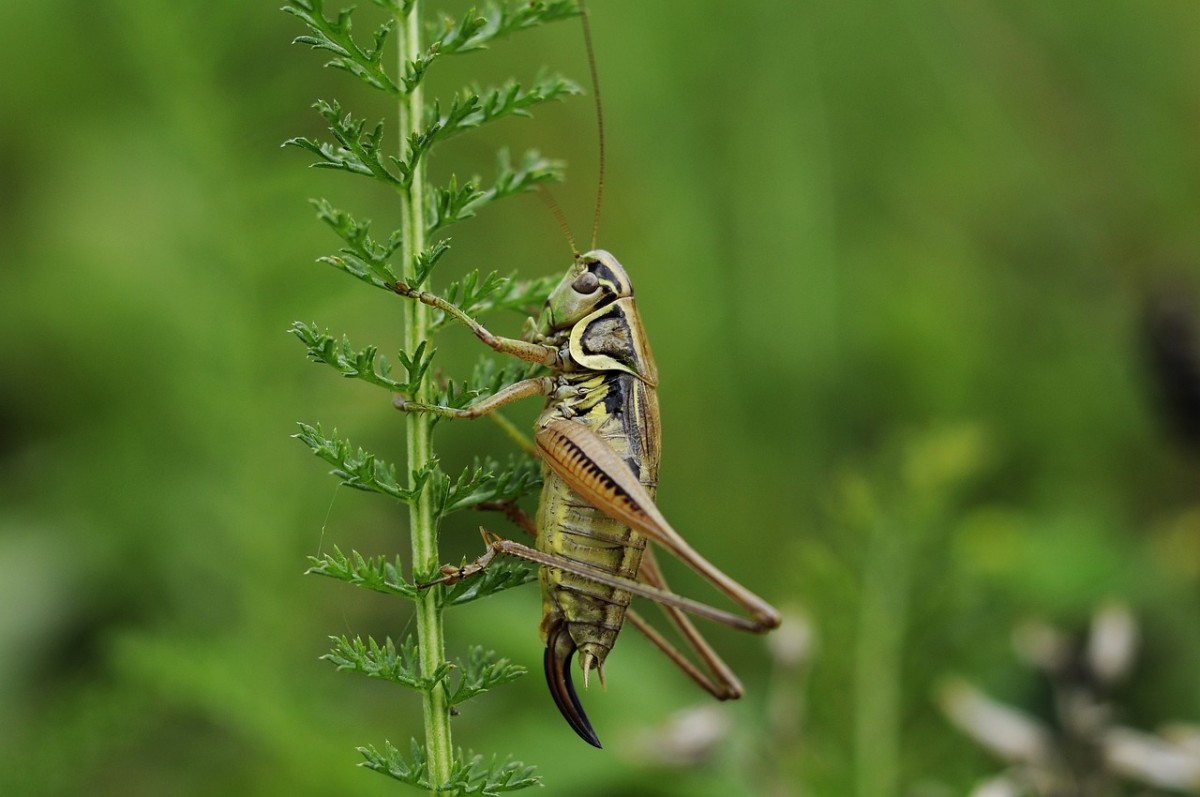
{"x": 599, "y": 439}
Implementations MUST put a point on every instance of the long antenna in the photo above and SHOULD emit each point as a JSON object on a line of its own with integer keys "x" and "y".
{"x": 559, "y": 216}
{"x": 587, "y": 38}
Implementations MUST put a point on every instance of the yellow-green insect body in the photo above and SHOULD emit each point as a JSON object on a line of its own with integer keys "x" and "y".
{"x": 598, "y": 439}
{"x": 606, "y": 385}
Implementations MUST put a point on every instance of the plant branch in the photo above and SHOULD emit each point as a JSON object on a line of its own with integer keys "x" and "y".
{"x": 405, "y": 258}
{"x": 431, "y": 644}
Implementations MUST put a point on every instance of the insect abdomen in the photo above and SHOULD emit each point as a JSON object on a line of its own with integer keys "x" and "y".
{"x": 571, "y": 527}
{"x": 575, "y": 530}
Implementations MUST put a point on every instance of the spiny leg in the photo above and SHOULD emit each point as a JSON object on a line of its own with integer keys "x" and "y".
{"x": 452, "y": 574}
{"x": 535, "y": 386}
{"x": 499, "y": 545}
{"x": 560, "y": 648}
{"x": 590, "y": 467}
{"x": 694, "y": 607}
{"x": 723, "y": 683}
{"x": 522, "y": 349}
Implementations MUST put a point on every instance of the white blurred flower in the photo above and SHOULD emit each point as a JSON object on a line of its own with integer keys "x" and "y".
{"x": 687, "y": 738}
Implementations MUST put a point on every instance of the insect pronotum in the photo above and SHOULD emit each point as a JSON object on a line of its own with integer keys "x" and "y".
{"x": 598, "y": 438}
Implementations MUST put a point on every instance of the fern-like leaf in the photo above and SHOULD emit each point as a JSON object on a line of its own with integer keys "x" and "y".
{"x": 360, "y": 469}
{"x": 400, "y": 665}
{"x": 363, "y": 257}
{"x": 357, "y": 149}
{"x": 413, "y": 770}
{"x": 364, "y": 364}
{"x": 500, "y": 575}
{"x": 476, "y": 295}
{"x": 375, "y": 573}
{"x": 474, "y": 775}
{"x": 479, "y": 672}
{"x": 334, "y": 36}
{"x": 499, "y": 20}
{"x": 469, "y": 774}
{"x": 426, "y": 259}
{"x": 489, "y": 482}
{"x": 473, "y": 107}
{"x": 487, "y": 379}
{"x": 451, "y": 204}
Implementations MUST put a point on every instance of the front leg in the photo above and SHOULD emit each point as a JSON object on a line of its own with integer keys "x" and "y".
{"x": 535, "y": 386}
{"x": 539, "y": 353}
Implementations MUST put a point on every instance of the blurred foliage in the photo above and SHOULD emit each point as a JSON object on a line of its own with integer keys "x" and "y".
{"x": 893, "y": 259}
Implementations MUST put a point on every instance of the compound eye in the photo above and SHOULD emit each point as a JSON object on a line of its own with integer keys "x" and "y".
{"x": 586, "y": 283}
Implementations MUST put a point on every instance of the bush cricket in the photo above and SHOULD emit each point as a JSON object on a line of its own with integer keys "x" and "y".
{"x": 598, "y": 438}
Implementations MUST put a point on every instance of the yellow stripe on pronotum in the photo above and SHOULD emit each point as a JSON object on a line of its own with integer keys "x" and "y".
{"x": 598, "y": 438}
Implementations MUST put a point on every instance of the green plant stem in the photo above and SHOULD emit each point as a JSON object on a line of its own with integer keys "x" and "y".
{"x": 419, "y": 426}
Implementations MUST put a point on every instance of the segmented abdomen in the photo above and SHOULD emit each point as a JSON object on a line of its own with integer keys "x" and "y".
{"x": 622, "y": 411}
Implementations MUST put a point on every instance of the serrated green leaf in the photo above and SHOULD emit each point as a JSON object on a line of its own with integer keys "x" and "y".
{"x": 473, "y": 107}
{"x": 362, "y": 257}
{"x": 487, "y": 379}
{"x": 333, "y": 35}
{"x": 477, "y": 294}
{"x": 400, "y": 665}
{"x": 355, "y": 148}
{"x": 426, "y": 259}
{"x": 500, "y": 575}
{"x": 488, "y": 481}
{"x": 364, "y": 364}
{"x": 473, "y": 293}
{"x": 416, "y": 365}
{"x": 391, "y": 762}
{"x": 496, "y": 21}
{"x": 375, "y": 573}
{"x": 448, "y": 204}
{"x": 451, "y": 204}
{"x": 479, "y": 672}
{"x": 471, "y": 775}
{"x": 453, "y": 35}
{"x": 360, "y": 469}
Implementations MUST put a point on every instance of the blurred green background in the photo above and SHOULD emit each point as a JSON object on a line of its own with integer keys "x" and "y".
{"x": 893, "y": 260}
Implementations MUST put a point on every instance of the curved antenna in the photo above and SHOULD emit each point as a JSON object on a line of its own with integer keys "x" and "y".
{"x": 587, "y": 38}
{"x": 559, "y": 216}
